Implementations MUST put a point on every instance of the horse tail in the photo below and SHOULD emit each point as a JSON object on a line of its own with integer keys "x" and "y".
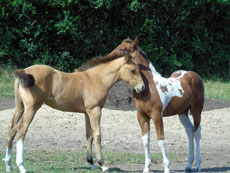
{"x": 198, "y": 102}
{"x": 25, "y": 80}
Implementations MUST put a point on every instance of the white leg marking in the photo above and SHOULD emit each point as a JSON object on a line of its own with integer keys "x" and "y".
{"x": 197, "y": 135}
{"x": 184, "y": 119}
{"x": 161, "y": 143}
{"x": 20, "y": 156}
{"x": 7, "y": 160}
{"x": 146, "y": 142}
{"x": 104, "y": 168}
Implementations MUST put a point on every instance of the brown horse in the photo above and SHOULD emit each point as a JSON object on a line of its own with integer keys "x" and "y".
{"x": 162, "y": 97}
{"x": 83, "y": 91}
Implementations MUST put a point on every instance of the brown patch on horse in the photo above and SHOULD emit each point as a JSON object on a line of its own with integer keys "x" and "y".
{"x": 181, "y": 92}
{"x": 26, "y": 80}
{"x": 164, "y": 89}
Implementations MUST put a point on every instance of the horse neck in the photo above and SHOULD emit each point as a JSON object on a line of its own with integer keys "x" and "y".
{"x": 107, "y": 74}
{"x": 115, "y": 52}
{"x": 143, "y": 60}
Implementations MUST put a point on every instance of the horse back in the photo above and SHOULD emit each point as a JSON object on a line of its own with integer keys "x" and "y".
{"x": 195, "y": 84}
{"x": 192, "y": 80}
{"x": 43, "y": 77}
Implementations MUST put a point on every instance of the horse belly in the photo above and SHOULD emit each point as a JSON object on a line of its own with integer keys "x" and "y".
{"x": 66, "y": 105}
{"x": 176, "y": 106}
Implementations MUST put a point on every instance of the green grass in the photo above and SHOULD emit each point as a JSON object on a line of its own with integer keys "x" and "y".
{"x": 6, "y": 82}
{"x": 214, "y": 88}
{"x": 217, "y": 89}
{"x": 59, "y": 161}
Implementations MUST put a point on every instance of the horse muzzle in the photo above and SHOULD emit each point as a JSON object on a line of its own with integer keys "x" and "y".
{"x": 139, "y": 88}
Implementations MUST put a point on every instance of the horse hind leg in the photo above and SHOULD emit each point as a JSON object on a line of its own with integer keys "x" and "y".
{"x": 89, "y": 137}
{"x": 185, "y": 121}
{"x": 196, "y": 113}
{"x": 11, "y": 135}
{"x": 19, "y": 109}
{"x": 197, "y": 135}
{"x": 23, "y": 126}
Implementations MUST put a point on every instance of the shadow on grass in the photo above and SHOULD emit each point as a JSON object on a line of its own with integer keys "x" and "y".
{"x": 216, "y": 169}
{"x": 115, "y": 169}
{"x": 120, "y": 170}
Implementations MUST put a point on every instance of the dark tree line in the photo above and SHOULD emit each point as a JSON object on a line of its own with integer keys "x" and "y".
{"x": 175, "y": 34}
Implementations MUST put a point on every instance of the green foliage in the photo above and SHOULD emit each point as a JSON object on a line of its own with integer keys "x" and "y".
{"x": 191, "y": 35}
{"x": 6, "y": 82}
{"x": 217, "y": 89}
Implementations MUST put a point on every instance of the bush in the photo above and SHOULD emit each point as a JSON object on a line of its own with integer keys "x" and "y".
{"x": 191, "y": 35}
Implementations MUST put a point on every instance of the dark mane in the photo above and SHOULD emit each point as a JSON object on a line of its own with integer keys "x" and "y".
{"x": 99, "y": 60}
{"x": 142, "y": 53}
{"x": 127, "y": 40}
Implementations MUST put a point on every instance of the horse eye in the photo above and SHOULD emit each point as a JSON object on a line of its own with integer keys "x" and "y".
{"x": 133, "y": 71}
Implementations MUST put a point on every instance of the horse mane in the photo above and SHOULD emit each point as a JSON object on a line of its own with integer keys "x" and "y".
{"x": 127, "y": 40}
{"x": 101, "y": 60}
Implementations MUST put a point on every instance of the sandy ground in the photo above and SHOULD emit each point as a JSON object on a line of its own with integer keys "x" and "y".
{"x": 55, "y": 130}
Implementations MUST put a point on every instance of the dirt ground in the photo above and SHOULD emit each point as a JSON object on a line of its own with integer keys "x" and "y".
{"x": 55, "y": 130}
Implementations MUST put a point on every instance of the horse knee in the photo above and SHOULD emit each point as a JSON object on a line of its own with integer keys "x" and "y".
{"x": 97, "y": 138}
{"x": 190, "y": 133}
{"x": 197, "y": 133}
{"x": 146, "y": 139}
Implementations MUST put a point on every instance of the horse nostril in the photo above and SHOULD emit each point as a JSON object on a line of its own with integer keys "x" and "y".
{"x": 143, "y": 87}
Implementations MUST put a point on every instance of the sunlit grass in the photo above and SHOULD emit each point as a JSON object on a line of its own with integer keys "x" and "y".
{"x": 60, "y": 161}
{"x": 6, "y": 82}
{"x": 217, "y": 89}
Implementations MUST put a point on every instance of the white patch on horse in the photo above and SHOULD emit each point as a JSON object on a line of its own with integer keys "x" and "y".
{"x": 146, "y": 143}
{"x": 20, "y": 156}
{"x": 167, "y": 87}
{"x": 7, "y": 160}
{"x": 161, "y": 143}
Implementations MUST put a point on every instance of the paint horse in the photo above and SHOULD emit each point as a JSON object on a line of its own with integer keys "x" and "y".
{"x": 163, "y": 97}
{"x": 84, "y": 91}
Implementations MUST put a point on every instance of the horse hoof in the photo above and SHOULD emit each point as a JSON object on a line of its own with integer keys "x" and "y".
{"x": 93, "y": 167}
{"x": 9, "y": 168}
{"x": 188, "y": 169}
{"x": 8, "y": 165}
{"x": 146, "y": 171}
{"x": 22, "y": 169}
{"x": 167, "y": 171}
{"x": 197, "y": 170}
{"x": 104, "y": 168}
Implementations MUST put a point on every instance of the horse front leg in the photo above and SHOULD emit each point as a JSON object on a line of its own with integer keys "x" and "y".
{"x": 95, "y": 118}
{"x": 185, "y": 121}
{"x": 89, "y": 137}
{"x": 158, "y": 123}
{"x": 144, "y": 122}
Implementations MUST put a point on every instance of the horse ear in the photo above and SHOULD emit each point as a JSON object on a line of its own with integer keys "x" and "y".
{"x": 128, "y": 57}
{"x": 123, "y": 51}
{"x": 136, "y": 41}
